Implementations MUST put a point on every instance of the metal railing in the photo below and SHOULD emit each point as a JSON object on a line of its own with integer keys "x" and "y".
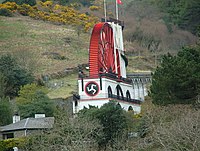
{"x": 114, "y": 76}
{"x": 111, "y": 96}
{"x": 126, "y": 99}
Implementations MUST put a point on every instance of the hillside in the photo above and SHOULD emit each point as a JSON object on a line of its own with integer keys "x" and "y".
{"x": 53, "y": 47}
{"x": 148, "y": 36}
{"x": 41, "y": 46}
{"x": 48, "y": 48}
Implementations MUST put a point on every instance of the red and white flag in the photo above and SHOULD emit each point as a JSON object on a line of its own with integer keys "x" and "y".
{"x": 119, "y": 1}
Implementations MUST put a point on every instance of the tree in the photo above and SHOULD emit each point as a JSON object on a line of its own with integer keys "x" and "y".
{"x": 77, "y": 134}
{"x": 33, "y": 99}
{"x": 14, "y": 75}
{"x": 6, "y": 112}
{"x": 189, "y": 17}
{"x": 2, "y": 85}
{"x": 113, "y": 120}
{"x": 177, "y": 80}
{"x": 184, "y": 13}
{"x": 112, "y": 117}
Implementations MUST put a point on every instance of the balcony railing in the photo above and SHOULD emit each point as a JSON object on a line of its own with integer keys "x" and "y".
{"x": 112, "y": 96}
{"x": 126, "y": 99}
{"x": 114, "y": 76}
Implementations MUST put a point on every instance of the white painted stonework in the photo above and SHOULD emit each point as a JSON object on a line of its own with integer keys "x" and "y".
{"x": 102, "y": 96}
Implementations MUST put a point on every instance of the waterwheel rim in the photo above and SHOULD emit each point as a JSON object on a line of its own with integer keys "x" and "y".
{"x": 101, "y": 52}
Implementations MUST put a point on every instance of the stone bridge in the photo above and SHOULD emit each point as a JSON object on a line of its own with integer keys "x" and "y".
{"x": 141, "y": 81}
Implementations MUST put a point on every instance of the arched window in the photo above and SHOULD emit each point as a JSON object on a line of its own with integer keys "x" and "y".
{"x": 110, "y": 92}
{"x": 130, "y": 108}
{"x": 119, "y": 105}
{"x": 119, "y": 92}
{"x": 128, "y": 96}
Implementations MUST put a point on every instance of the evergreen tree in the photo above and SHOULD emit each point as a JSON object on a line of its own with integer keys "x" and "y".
{"x": 184, "y": 13}
{"x": 5, "y": 112}
{"x": 177, "y": 80}
{"x": 14, "y": 75}
{"x": 2, "y": 85}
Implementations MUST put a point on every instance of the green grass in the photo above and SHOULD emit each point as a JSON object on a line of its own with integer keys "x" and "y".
{"x": 69, "y": 86}
{"x": 21, "y": 34}
{"x": 140, "y": 64}
{"x": 11, "y": 30}
{"x": 29, "y": 39}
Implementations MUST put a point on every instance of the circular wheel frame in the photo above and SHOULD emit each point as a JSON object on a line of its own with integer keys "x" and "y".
{"x": 101, "y": 53}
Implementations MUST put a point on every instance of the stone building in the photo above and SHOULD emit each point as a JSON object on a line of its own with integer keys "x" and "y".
{"x": 26, "y": 127}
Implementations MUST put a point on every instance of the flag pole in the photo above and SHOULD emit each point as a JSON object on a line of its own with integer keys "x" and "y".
{"x": 117, "y": 16}
{"x": 104, "y": 2}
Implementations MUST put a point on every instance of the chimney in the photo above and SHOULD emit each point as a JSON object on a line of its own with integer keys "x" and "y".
{"x": 16, "y": 118}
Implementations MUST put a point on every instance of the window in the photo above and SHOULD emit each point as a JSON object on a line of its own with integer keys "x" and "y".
{"x": 119, "y": 93}
{"x": 8, "y": 135}
{"x": 128, "y": 96}
{"x": 130, "y": 108}
{"x": 109, "y": 92}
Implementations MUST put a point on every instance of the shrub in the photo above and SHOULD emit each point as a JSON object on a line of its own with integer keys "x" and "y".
{"x": 33, "y": 99}
{"x": 77, "y": 134}
{"x": 5, "y": 12}
{"x": 9, "y": 5}
{"x": 20, "y": 2}
{"x": 8, "y": 144}
{"x": 94, "y": 8}
{"x": 25, "y": 9}
{"x": 48, "y": 11}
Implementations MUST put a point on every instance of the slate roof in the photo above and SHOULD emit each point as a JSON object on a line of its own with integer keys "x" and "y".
{"x": 30, "y": 123}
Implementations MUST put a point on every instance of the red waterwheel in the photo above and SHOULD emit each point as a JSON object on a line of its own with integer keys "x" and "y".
{"x": 102, "y": 57}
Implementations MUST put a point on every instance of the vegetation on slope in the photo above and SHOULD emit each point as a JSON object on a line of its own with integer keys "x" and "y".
{"x": 145, "y": 41}
{"x": 176, "y": 80}
{"x": 33, "y": 99}
{"x": 49, "y": 11}
{"x": 174, "y": 127}
{"x": 6, "y": 111}
{"x": 93, "y": 129}
{"x": 148, "y": 36}
{"x": 12, "y": 76}
{"x": 42, "y": 47}
{"x": 20, "y": 2}
{"x": 184, "y": 13}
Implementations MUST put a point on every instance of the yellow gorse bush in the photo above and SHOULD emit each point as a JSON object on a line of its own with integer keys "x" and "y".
{"x": 93, "y": 8}
{"x": 48, "y": 4}
{"x": 48, "y": 11}
{"x": 9, "y": 5}
{"x": 24, "y": 9}
{"x": 57, "y": 7}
